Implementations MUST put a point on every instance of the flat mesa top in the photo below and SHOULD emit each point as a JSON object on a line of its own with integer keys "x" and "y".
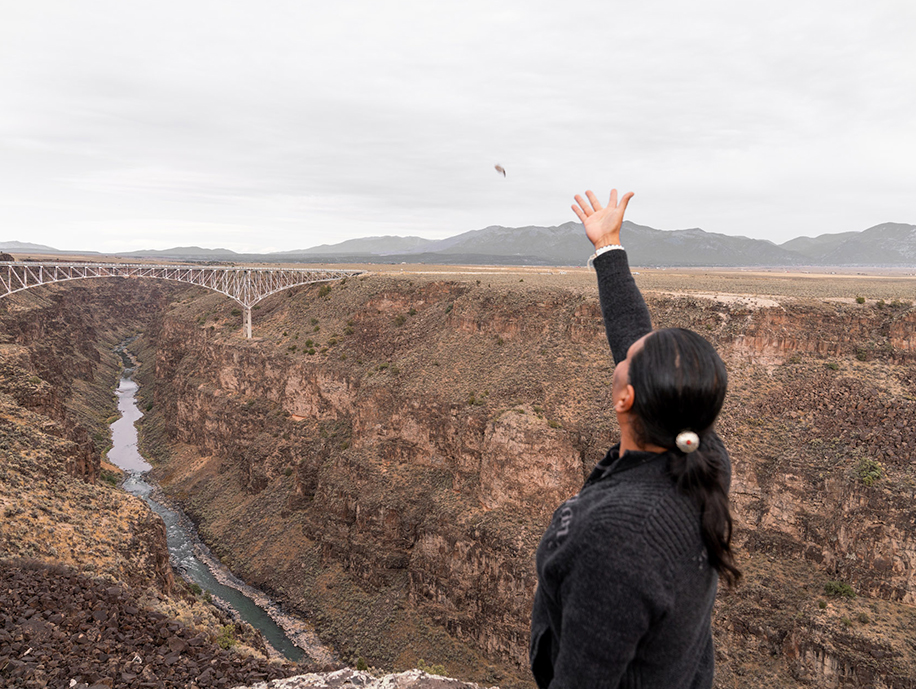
{"x": 839, "y": 284}
{"x": 823, "y": 284}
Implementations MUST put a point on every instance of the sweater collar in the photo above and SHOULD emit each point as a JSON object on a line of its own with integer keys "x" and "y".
{"x": 613, "y": 463}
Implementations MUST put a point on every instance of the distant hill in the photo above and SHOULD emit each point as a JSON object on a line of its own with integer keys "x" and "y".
{"x": 368, "y": 245}
{"x": 567, "y": 244}
{"x": 695, "y": 247}
{"x": 818, "y": 246}
{"x": 194, "y": 252}
{"x": 27, "y": 247}
{"x": 888, "y": 244}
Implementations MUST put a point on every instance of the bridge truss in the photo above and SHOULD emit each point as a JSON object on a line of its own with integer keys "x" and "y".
{"x": 247, "y": 286}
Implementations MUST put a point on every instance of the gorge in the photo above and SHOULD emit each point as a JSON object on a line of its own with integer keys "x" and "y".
{"x": 187, "y": 554}
{"x": 383, "y": 456}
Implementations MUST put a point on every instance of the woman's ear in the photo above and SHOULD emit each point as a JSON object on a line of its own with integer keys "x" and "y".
{"x": 624, "y": 401}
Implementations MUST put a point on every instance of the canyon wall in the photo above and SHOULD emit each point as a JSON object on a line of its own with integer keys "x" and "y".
{"x": 87, "y": 593}
{"x": 57, "y": 370}
{"x": 385, "y": 456}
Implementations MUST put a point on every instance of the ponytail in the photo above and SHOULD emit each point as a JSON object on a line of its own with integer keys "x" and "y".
{"x": 702, "y": 476}
{"x": 680, "y": 382}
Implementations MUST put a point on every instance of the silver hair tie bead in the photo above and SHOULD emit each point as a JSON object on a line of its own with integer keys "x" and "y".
{"x": 687, "y": 441}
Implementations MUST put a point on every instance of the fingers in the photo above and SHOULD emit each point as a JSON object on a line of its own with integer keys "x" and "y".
{"x": 584, "y": 210}
{"x": 578, "y": 211}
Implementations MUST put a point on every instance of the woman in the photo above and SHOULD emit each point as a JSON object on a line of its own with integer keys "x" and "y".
{"x": 628, "y": 568}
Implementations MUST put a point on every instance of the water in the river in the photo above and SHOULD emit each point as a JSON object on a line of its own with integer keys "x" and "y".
{"x": 181, "y": 541}
{"x": 123, "y": 431}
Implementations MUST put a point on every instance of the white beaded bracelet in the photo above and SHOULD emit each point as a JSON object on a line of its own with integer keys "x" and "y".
{"x": 602, "y": 250}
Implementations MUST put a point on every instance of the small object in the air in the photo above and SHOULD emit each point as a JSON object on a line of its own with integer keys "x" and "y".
{"x": 500, "y": 169}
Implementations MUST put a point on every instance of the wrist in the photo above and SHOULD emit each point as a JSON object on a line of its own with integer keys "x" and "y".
{"x": 607, "y": 240}
{"x": 602, "y": 250}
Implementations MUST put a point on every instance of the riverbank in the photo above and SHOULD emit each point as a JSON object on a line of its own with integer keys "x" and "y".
{"x": 297, "y": 630}
{"x": 285, "y": 635}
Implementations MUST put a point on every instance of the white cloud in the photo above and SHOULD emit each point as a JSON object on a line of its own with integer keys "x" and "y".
{"x": 245, "y": 125}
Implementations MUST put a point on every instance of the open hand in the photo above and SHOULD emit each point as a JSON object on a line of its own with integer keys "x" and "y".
{"x": 602, "y": 225}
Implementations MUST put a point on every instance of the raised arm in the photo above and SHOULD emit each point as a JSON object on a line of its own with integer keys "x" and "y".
{"x": 626, "y": 317}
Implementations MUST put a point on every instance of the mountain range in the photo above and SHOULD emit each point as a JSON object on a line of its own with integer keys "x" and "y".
{"x": 888, "y": 244}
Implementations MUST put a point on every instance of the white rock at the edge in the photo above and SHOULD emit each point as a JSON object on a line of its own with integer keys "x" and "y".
{"x": 355, "y": 679}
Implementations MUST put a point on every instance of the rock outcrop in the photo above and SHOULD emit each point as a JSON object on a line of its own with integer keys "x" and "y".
{"x": 356, "y": 679}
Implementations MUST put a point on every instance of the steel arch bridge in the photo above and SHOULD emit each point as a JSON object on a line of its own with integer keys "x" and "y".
{"x": 247, "y": 286}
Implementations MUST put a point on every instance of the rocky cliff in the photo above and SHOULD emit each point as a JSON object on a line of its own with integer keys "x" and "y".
{"x": 385, "y": 456}
{"x": 87, "y": 593}
{"x": 56, "y": 375}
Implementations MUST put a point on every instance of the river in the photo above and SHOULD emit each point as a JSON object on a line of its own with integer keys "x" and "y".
{"x": 189, "y": 556}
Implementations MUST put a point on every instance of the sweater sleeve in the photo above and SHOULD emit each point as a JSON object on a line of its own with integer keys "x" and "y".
{"x": 626, "y": 317}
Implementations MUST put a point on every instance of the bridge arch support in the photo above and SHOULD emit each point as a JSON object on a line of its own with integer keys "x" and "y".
{"x": 245, "y": 285}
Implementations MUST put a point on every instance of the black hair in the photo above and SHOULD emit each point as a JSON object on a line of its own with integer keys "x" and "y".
{"x": 679, "y": 383}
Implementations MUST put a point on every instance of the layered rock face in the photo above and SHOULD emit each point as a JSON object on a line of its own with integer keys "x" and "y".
{"x": 386, "y": 455}
{"x": 56, "y": 373}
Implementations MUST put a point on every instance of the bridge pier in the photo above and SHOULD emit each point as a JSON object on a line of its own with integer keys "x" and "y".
{"x": 247, "y": 321}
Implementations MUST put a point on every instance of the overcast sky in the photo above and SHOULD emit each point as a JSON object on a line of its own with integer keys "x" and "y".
{"x": 260, "y": 126}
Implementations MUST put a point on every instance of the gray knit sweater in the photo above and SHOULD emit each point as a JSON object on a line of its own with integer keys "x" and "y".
{"x": 625, "y": 591}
